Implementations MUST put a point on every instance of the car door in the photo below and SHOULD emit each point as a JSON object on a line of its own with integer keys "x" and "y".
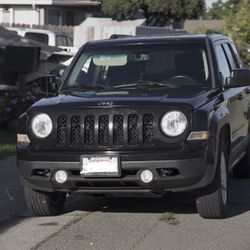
{"x": 238, "y": 101}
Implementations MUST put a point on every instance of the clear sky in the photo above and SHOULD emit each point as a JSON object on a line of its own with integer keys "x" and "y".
{"x": 209, "y": 2}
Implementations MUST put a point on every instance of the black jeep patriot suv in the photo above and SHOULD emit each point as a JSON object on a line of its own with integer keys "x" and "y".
{"x": 140, "y": 115}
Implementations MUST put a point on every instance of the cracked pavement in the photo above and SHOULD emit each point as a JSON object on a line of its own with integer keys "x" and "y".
{"x": 120, "y": 223}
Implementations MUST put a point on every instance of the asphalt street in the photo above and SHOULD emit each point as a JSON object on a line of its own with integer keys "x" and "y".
{"x": 12, "y": 203}
{"x": 121, "y": 223}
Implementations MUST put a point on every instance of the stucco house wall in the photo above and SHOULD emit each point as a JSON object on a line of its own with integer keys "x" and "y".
{"x": 40, "y": 12}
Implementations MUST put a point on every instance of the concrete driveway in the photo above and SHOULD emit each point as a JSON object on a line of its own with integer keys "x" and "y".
{"x": 121, "y": 223}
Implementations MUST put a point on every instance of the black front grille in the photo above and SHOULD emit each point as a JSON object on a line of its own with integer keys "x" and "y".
{"x": 148, "y": 128}
{"x": 62, "y": 130}
{"x": 75, "y": 129}
{"x": 105, "y": 129}
{"x": 89, "y": 130}
{"x": 133, "y": 129}
{"x": 118, "y": 121}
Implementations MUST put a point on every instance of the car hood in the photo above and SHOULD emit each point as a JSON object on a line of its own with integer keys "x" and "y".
{"x": 193, "y": 98}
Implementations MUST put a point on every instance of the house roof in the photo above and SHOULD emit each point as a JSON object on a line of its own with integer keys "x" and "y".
{"x": 50, "y": 2}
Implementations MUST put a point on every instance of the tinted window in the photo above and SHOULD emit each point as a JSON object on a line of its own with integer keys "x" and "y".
{"x": 236, "y": 55}
{"x": 183, "y": 65}
{"x": 231, "y": 59}
{"x": 222, "y": 63}
{"x": 14, "y": 32}
{"x": 39, "y": 37}
{"x": 61, "y": 40}
{"x": 70, "y": 18}
{"x": 69, "y": 42}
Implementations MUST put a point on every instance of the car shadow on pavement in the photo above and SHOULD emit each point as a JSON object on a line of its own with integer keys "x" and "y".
{"x": 14, "y": 220}
{"x": 239, "y": 199}
{"x": 179, "y": 203}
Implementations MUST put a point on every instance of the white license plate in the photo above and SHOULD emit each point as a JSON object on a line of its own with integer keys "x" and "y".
{"x": 99, "y": 166}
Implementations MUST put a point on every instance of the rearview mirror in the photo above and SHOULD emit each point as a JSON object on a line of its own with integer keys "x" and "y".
{"x": 49, "y": 83}
{"x": 110, "y": 60}
{"x": 239, "y": 78}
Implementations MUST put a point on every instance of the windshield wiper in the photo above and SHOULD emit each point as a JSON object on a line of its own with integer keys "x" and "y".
{"x": 143, "y": 84}
{"x": 83, "y": 87}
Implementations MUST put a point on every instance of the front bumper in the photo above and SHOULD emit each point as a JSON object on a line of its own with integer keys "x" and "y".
{"x": 187, "y": 174}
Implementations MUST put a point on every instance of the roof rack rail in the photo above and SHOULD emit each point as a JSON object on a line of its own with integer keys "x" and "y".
{"x": 213, "y": 32}
{"x": 159, "y": 31}
{"x": 116, "y": 36}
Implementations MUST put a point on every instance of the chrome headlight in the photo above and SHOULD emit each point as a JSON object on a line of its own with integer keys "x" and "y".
{"x": 174, "y": 123}
{"x": 41, "y": 125}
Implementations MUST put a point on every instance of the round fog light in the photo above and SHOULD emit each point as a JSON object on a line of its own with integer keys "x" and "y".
{"x": 146, "y": 176}
{"x": 61, "y": 176}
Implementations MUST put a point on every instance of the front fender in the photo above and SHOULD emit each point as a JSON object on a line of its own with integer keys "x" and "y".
{"x": 212, "y": 117}
{"x": 219, "y": 118}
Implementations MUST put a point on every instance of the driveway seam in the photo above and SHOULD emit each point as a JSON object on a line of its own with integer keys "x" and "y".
{"x": 151, "y": 229}
{"x": 74, "y": 221}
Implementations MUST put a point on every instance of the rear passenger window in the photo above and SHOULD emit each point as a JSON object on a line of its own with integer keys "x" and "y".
{"x": 39, "y": 37}
{"x": 222, "y": 63}
{"x": 69, "y": 42}
{"x": 236, "y": 55}
{"x": 61, "y": 41}
{"x": 233, "y": 63}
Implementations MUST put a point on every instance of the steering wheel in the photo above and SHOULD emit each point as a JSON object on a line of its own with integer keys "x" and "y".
{"x": 180, "y": 80}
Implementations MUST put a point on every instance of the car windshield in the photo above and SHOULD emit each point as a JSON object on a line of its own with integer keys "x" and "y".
{"x": 141, "y": 66}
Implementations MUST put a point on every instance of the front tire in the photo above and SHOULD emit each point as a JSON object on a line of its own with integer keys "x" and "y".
{"x": 214, "y": 205}
{"x": 44, "y": 203}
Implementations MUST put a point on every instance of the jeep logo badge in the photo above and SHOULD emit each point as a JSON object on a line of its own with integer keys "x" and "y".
{"x": 105, "y": 103}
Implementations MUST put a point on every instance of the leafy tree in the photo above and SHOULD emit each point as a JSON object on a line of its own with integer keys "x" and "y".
{"x": 237, "y": 26}
{"x": 221, "y": 9}
{"x": 157, "y": 12}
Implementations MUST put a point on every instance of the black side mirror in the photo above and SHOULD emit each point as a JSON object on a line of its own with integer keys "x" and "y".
{"x": 239, "y": 78}
{"x": 49, "y": 84}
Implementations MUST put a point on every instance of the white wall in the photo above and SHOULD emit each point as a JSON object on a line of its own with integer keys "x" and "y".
{"x": 4, "y": 16}
{"x": 26, "y": 16}
{"x": 26, "y": 2}
{"x": 21, "y": 15}
{"x": 102, "y": 28}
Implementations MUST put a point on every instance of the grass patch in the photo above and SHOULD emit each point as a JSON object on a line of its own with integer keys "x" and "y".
{"x": 167, "y": 217}
{"x": 7, "y": 144}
